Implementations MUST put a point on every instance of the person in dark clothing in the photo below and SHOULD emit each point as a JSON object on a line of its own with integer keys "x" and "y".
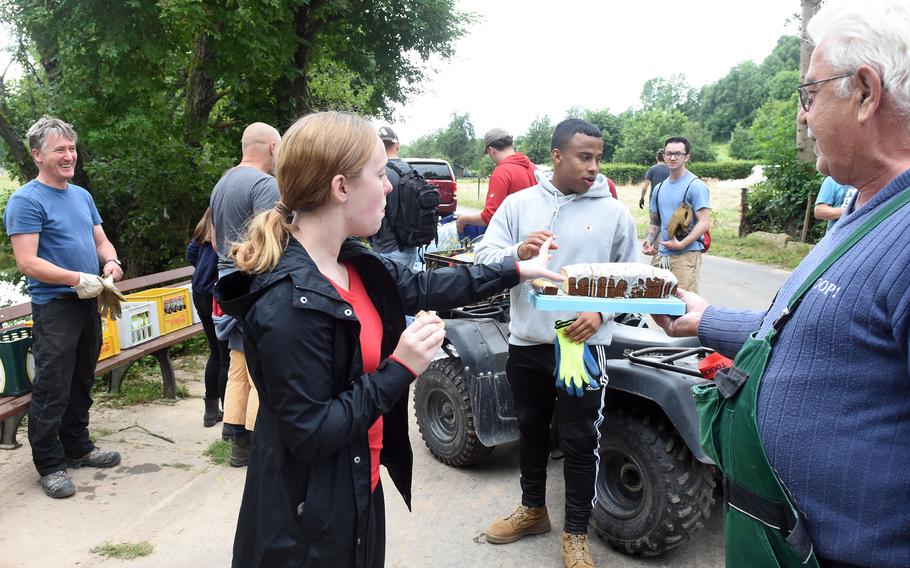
{"x": 655, "y": 174}
{"x": 203, "y": 256}
{"x": 328, "y": 351}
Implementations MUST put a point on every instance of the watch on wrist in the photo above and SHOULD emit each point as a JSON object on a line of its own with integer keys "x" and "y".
{"x": 114, "y": 260}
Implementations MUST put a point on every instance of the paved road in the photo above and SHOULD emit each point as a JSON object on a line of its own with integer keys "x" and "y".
{"x": 168, "y": 493}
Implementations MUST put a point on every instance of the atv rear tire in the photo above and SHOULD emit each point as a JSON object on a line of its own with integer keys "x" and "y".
{"x": 652, "y": 494}
{"x": 444, "y": 414}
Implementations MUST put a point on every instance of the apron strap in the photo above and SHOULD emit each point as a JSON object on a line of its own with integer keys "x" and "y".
{"x": 873, "y": 221}
{"x": 773, "y": 514}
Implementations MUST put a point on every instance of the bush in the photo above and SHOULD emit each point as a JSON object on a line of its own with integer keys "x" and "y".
{"x": 624, "y": 173}
{"x": 634, "y": 173}
{"x": 733, "y": 169}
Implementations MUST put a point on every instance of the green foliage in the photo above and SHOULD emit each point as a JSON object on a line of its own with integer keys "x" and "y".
{"x": 779, "y": 204}
{"x": 731, "y": 169}
{"x": 623, "y": 173}
{"x": 124, "y": 550}
{"x": 610, "y": 126}
{"x": 644, "y": 133}
{"x": 219, "y": 451}
{"x": 674, "y": 93}
{"x": 457, "y": 143}
{"x": 535, "y": 143}
{"x": 160, "y": 92}
{"x": 141, "y": 385}
{"x": 742, "y": 144}
{"x": 735, "y": 98}
{"x": 635, "y": 173}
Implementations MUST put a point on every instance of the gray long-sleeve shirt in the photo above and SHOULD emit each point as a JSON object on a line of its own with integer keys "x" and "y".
{"x": 588, "y": 227}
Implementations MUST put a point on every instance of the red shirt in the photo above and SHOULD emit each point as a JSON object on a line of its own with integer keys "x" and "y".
{"x": 512, "y": 174}
{"x": 370, "y": 348}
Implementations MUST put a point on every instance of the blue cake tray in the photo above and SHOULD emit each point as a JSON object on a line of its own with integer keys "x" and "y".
{"x": 667, "y": 306}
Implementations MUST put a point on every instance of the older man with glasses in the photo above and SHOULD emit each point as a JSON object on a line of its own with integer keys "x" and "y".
{"x": 680, "y": 216}
{"x": 812, "y": 425}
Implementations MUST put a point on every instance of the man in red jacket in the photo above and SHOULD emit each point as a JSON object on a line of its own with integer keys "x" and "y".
{"x": 513, "y": 172}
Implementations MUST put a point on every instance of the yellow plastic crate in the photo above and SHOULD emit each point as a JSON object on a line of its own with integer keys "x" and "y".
{"x": 174, "y": 307}
{"x": 110, "y": 346}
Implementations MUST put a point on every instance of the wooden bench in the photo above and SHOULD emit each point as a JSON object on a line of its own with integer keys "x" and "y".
{"x": 13, "y": 408}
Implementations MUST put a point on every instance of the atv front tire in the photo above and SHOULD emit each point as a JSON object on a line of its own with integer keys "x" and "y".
{"x": 652, "y": 494}
{"x": 444, "y": 414}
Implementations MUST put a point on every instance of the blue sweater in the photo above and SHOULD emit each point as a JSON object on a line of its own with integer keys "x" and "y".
{"x": 834, "y": 404}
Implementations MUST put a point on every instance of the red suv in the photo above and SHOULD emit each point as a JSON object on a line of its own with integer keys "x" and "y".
{"x": 440, "y": 174}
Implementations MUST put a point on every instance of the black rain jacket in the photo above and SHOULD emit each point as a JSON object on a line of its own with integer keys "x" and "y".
{"x": 307, "y": 490}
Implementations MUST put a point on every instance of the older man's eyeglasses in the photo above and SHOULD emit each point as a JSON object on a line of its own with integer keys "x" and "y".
{"x": 805, "y": 97}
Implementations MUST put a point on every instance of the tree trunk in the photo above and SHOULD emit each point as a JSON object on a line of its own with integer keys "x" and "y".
{"x": 803, "y": 144}
{"x": 200, "y": 92}
{"x": 804, "y": 149}
{"x": 306, "y": 26}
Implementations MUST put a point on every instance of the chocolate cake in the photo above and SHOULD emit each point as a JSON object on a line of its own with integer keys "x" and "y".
{"x": 617, "y": 280}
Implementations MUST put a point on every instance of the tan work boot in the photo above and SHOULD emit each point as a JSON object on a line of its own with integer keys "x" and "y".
{"x": 575, "y": 552}
{"x": 524, "y": 521}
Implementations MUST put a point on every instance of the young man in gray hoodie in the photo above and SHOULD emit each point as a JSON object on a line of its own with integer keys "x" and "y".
{"x": 573, "y": 205}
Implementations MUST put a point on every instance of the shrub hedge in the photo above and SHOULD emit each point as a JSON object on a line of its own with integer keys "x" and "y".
{"x": 634, "y": 173}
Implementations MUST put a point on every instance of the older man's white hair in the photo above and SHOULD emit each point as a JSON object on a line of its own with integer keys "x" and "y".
{"x": 870, "y": 32}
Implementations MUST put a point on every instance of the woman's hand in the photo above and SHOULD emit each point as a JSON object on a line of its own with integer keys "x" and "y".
{"x": 536, "y": 267}
{"x": 420, "y": 342}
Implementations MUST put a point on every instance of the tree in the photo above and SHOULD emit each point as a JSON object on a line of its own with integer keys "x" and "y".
{"x": 610, "y": 126}
{"x": 160, "y": 91}
{"x": 666, "y": 94}
{"x": 457, "y": 142}
{"x": 535, "y": 143}
{"x": 645, "y": 132}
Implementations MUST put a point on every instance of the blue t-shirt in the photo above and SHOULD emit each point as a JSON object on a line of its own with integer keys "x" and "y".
{"x": 668, "y": 195}
{"x": 833, "y": 194}
{"x": 65, "y": 221}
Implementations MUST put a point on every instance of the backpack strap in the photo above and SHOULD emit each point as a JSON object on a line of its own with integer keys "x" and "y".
{"x": 701, "y": 239}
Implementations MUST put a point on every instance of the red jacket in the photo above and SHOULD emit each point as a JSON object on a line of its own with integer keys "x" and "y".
{"x": 512, "y": 174}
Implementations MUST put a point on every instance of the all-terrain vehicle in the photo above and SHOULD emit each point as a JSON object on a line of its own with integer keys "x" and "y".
{"x": 655, "y": 485}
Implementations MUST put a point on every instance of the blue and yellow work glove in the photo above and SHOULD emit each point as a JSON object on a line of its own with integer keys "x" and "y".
{"x": 576, "y": 366}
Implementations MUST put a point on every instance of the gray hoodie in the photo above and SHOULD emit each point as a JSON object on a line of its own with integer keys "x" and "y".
{"x": 588, "y": 227}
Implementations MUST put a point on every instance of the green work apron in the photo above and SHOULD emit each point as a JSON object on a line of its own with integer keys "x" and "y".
{"x": 763, "y": 527}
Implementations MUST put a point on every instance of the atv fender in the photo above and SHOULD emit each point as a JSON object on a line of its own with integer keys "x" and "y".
{"x": 672, "y": 392}
{"x": 483, "y": 348}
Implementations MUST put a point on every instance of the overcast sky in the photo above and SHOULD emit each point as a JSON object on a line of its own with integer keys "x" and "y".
{"x": 524, "y": 59}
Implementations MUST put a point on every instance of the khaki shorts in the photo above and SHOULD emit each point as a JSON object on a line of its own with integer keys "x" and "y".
{"x": 685, "y": 267}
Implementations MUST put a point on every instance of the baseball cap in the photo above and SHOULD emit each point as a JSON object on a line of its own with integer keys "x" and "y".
{"x": 386, "y": 133}
{"x": 493, "y": 135}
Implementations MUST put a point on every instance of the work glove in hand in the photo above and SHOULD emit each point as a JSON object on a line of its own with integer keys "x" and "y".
{"x": 89, "y": 286}
{"x": 110, "y": 298}
{"x": 576, "y": 366}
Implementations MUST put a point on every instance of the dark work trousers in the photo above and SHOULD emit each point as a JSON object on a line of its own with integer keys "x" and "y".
{"x": 375, "y": 547}
{"x": 66, "y": 343}
{"x": 530, "y": 373}
{"x": 216, "y": 368}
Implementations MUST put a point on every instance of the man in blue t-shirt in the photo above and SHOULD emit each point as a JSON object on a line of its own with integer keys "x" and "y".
{"x": 681, "y": 251}
{"x": 59, "y": 245}
{"x": 832, "y": 200}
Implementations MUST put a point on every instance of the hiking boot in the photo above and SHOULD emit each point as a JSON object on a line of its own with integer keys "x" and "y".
{"x": 58, "y": 484}
{"x": 575, "y": 551}
{"x": 213, "y": 414}
{"x": 241, "y": 448}
{"x": 524, "y": 521}
{"x": 95, "y": 458}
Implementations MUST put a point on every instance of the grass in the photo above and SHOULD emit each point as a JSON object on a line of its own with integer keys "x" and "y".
{"x": 723, "y": 153}
{"x": 141, "y": 385}
{"x": 124, "y": 550}
{"x": 219, "y": 451}
{"x": 725, "y": 216}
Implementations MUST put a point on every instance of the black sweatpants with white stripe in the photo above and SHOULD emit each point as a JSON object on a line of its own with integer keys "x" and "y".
{"x": 530, "y": 374}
